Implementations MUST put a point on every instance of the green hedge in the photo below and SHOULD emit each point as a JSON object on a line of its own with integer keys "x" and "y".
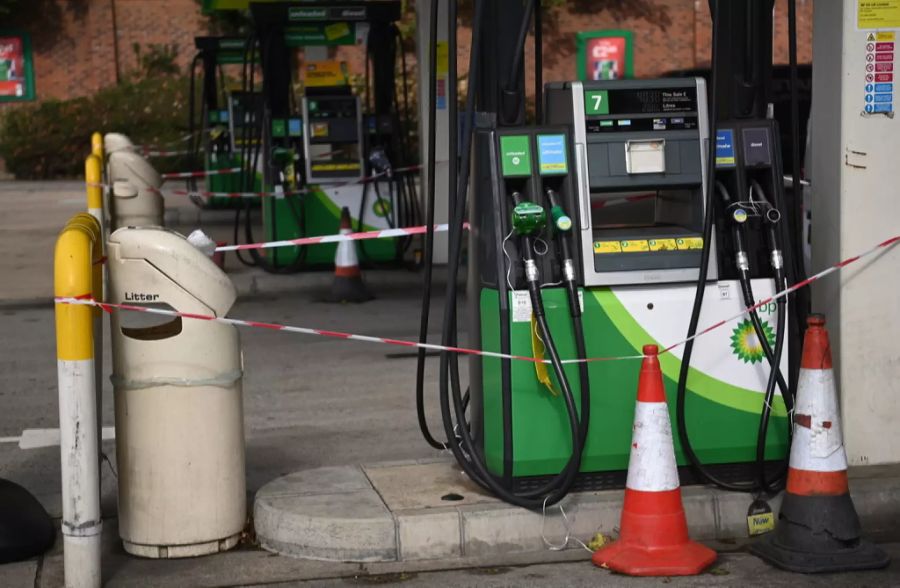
{"x": 52, "y": 138}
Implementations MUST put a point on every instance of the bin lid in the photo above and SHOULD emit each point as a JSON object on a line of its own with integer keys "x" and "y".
{"x": 131, "y": 166}
{"x": 113, "y": 142}
{"x": 172, "y": 255}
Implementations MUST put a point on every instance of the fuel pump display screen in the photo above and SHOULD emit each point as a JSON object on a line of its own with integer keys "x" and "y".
{"x": 640, "y": 101}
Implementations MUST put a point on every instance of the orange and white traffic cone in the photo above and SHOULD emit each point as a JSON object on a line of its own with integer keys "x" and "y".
{"x": 818, "y": 529}
{"x": 348, "y": 285}
{"x": 653, "y": 537}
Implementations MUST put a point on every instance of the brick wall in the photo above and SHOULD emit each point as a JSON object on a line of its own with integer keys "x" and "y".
{"x": 81, "y": 55}
{"x": 93, "y": 45}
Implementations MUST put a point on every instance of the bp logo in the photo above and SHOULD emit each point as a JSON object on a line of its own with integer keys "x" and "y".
{"x": 381, "y": 207}
{"x": 745, "y": 344}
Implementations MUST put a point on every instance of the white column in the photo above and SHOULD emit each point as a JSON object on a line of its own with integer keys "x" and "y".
{"x": 854, "y": 203}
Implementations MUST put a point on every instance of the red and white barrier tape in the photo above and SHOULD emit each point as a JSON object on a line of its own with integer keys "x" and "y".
{"x": 154, "y": 153}
{"x": 183, "y": 139}
{"x": 200, "y": 173}
{"x": 883, "y": 245}
{"x": 207, "y": 194}
{"x": 381, "y": 234}
{"x": 107, "y": 306}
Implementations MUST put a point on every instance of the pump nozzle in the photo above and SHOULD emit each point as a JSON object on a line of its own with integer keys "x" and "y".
{"x": 528, "y": 218}
{"x": 561, "y": 220}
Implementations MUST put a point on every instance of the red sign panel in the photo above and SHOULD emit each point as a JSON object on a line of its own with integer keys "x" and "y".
{"x": 889, "y": 66}
{"x": 883, "y": 77}
{"x": 884, "y": 46}
{"x": 12, "y": 68}
{"x": 606, "y": 58}
{"x": 884, "y": 57}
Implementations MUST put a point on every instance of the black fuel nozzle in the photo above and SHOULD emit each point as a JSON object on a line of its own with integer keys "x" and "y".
{"x": 771, "y": 217}
{"x": 381, "y": 164}
{"x": 738, "y": 215}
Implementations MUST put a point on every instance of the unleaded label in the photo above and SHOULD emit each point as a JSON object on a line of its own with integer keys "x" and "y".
{"x": 515, "y": 155}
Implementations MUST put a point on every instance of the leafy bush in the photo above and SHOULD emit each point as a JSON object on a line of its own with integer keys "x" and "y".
{"x": 51, "y": 139}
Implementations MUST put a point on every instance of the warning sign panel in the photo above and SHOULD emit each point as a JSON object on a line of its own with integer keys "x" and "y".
{"x": 878, "y": 96}
{"x": 878, "y": 14}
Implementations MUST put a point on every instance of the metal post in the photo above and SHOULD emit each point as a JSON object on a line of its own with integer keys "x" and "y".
{"x": 77, "y": 250}
{"x": 442, "y": 124}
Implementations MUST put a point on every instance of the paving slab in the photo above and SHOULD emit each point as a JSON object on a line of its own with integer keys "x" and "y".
{"x": 409, "y": 511}
{"x": 19, "y": 574}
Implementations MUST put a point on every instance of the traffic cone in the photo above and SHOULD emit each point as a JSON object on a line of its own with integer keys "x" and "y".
{"x": 653, "y": 536}
{"x": 818, "y": 528}
{"x": 348, "y": 285}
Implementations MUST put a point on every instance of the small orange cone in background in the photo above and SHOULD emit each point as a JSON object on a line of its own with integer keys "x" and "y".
{"x": 653, "y": 539}
{"x": 818, "y": 529}
{"x": 348, "y": 285}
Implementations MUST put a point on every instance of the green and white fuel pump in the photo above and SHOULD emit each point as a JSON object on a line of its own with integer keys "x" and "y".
{"x": 622, "y": 221}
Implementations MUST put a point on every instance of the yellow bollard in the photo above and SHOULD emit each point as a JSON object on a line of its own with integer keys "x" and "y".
{"x": 98, "y": 282}
{"x": 93, "y": 179}
{"x": 93, "y": 175}
{"x": 97, "y": 145}
{"x": 74, "y": 276}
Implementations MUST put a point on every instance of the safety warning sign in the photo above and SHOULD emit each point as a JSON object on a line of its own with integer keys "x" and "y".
{"x": 878, "y": 94}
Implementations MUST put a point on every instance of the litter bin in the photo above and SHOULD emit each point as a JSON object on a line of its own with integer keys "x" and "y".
{"x": 141, "y": 204}
{"x": 177, "y": 385}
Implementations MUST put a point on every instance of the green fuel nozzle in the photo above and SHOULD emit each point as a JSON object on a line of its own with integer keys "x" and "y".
{"x": 561, "y": 220}
{"x": 528, "y": 218}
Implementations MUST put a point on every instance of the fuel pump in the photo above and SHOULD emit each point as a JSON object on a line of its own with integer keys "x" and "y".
{"x": 316, "y": 148}
{"x": 211, "y": 126}
{"x": 596, "y": 233}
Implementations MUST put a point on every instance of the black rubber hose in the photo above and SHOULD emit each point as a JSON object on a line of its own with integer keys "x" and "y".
{"x": 513, "y": 80}
{"x": 568, "y": 265}
{"x": 428, "y": 253}
{"x": 538, "y": 64}
{"x": 464, "y": 448}
{"x": 747, "y": 291}
{"x": 775, "y": 485}
{"x": 709, "y": 214}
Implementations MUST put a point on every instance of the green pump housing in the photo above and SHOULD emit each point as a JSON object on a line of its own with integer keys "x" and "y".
{"x": 630, "y": 172}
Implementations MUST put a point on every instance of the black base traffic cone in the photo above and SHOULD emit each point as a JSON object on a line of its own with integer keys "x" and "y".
{"x": 348, "y": 285}
{"x": 818, "y": 529}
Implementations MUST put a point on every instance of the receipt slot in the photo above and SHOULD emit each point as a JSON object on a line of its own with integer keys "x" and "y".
{"x": 177, "y": 385}
{"x": 136, "y": 200}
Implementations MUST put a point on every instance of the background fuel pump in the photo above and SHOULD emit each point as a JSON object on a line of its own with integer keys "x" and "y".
{"x": 312, "y": 148}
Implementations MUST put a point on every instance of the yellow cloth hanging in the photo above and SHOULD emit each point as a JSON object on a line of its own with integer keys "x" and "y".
{"x": 540, "y": 368}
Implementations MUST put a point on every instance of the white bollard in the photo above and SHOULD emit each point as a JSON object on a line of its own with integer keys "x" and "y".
{"x": 77, "y": 251}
